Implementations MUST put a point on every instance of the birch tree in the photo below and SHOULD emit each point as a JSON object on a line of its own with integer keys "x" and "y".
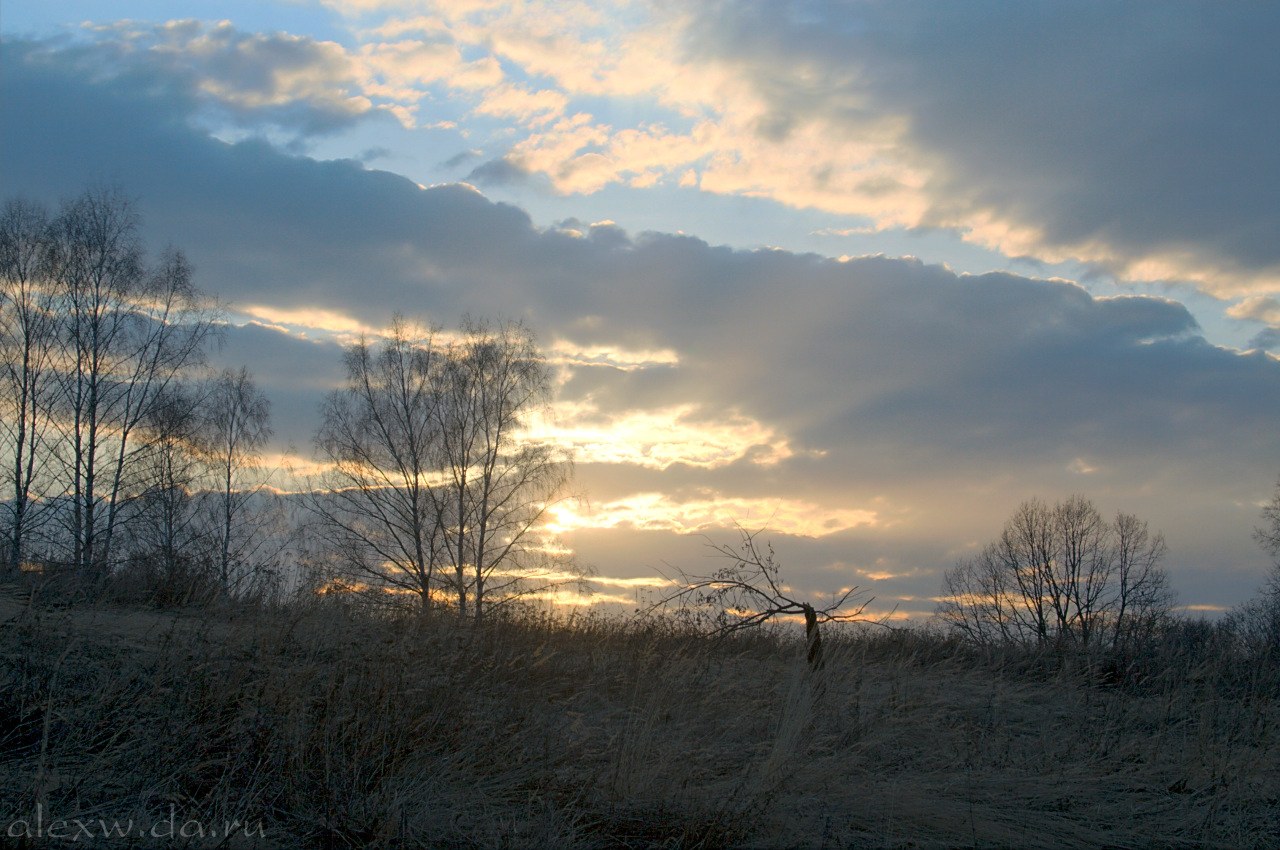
{"x": 376, "y": 504}
{"x": 1257, "y": 621}
{"x": 432, "y": 486}
{"x": 499, "y": 485}
{"x": 166, "y": 532}
{"x": 130, "y": 332}
{"x": 237, "y": 425}
{"x": 27, "y": 331}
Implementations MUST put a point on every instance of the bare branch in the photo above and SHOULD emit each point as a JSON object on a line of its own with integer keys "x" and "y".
{"x": 748, "y": 591}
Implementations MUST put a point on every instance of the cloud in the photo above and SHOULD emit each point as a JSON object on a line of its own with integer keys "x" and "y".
{"x": 292, "y": 82}
{"x": 567, "y": 61}
{"x": 933, "y": 400}
{"x": 917, "y": 115}
{"x": 303, "y": 319}
{"x": 710, "y": 510}
{"x": 407, "y": 71}
{"x": 461, "y": 158}
{"x": 1132, "y": 136}
{"x": 1143, "y": 147}
{"x": 527, "y": 106}
{"x": 498, "y": 172}
{"x": 1260, "y": 308}
{"x": 293, "y": 371}
{"x": 660, "y": 437}
{"x": 1268, "y": 339}
{"x": 895, "y": 336}
{"x": 374, "y": 153}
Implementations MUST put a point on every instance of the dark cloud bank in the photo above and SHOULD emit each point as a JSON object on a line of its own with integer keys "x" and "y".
{"x": 1144, "y": 128}
{"x": 948, "y": 398}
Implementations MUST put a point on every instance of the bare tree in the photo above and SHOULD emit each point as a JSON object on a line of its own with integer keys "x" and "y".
{"x": 1060, "y": 576}
{"x": 431, "y": 482}
{"x": 749, "y": 591}
{"x": 165, "y": 531}
{"x": 1257, "y": 621}
{"x": 1268, "y": 534}
{"x": 193, "y": 523}
{"x": 377, "y": 504}
{"x": 129, "y": 334}
{"x": 499, "y": 485}
{"x": 237, "y": 425}
{"x": 27, "y": 328}
{"x": 1142, "y": 592}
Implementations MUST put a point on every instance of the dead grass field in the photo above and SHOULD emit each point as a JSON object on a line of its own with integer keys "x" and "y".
{"x": 335, "y": 728}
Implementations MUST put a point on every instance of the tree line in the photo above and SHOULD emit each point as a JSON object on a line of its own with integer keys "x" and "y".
{"x": 1062, "y": 577}
{"x": 125, "y": 453}
{"x": 114, "y": 429}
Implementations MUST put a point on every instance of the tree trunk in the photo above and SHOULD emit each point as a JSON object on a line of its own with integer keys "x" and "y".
{"x": 813, "y": 638}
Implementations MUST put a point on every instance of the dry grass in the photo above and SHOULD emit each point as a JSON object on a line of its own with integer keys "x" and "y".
{"x": 337, "y": 728}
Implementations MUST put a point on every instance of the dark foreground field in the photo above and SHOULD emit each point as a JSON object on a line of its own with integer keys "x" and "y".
{"x": 322, "y": 726}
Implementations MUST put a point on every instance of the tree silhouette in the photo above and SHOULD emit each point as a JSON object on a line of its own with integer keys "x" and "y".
{"x": 749, "y": 591}
{"x": 1061, "y": 576}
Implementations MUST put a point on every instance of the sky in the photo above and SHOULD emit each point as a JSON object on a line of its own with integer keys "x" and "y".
{"x": 864, "y": 274}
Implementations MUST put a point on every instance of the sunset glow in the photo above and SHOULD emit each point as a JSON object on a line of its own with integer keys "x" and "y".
{"x": 659, "y": 438}
{"x": 659, "y": 512}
